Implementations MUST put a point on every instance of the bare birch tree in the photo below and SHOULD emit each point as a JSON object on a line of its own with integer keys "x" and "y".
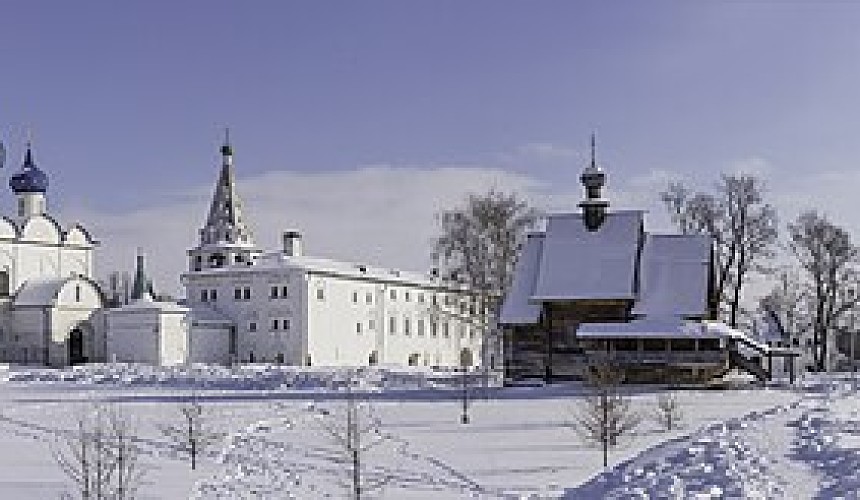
{"x": 605, "y": 415}
{"x": 100, "y": 456}
{"x": 478, "y": 245}
{"x": 743, "y": 228}
{"x": 355, "y": 432}
{"x": 830, "y": 262}
{"x": 195, "y": 434}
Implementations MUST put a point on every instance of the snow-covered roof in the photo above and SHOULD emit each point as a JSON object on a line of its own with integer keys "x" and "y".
{"x": 674, "y": 276}
{"x": 665, "y": 327}
{"x": 44, "y": 292}
{"x": 321, "y": 265}
{"x": 582, "y": 264}
{"x": 517, "y": 308}
{"x": 148, "y": 304}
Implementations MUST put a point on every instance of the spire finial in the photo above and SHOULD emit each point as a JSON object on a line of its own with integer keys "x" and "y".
{"x": 593, "y": 150}
{"x": 28, "y": 155}
{"x": 227, "y": 148}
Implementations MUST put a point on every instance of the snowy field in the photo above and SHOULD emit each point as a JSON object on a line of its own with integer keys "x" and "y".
{"x": 746, "y": 443}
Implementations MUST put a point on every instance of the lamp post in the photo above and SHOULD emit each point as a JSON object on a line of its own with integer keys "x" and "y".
{"x": 853, "y": 332}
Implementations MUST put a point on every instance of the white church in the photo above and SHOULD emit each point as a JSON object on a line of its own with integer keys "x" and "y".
{"x": 51, "y": 309}
{"x": 246, "y": 305}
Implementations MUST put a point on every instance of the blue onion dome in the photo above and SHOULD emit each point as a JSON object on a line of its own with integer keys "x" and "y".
{"x": 30, "y": 179}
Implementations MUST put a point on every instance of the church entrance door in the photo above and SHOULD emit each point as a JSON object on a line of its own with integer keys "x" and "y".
{"x": 76, "y": 347}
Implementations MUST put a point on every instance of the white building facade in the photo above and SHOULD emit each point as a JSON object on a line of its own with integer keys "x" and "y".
{"x": 244, "y": 305}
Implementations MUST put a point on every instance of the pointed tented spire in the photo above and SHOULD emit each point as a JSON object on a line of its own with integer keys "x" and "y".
{"x": 142, "y": 287}
{"x": 225, "y": 223}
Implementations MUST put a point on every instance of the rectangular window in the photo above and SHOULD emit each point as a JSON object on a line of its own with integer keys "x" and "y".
{"x": 213, "y": 295}
{"x": 421, "y": 299}
{"x": 355, "y": 297}
{"x": 406, "y": 329}
{"x": 408, "y": 296}
{"x": 445, "y": 332}
{"x": 274, "y": 294}
{"x": 246, "y": 293}
{"x": 420, "y": 327}
{"x": 237, "y": 294}
{"x": 392, "y": 325}
{"x": 393, "y": 294}
{"x": 285, "y": 324}
{"x": 434, "y": 329}
{"x": 320, "y": 294}
{"x": 371, "y": 325}
{"x": 204, "y": 295}
{"x": 434, "y": 300}
{"x": 462, "y": 331}
{"x": 358, "y": 328}
{"x": 252, "y": 327}
{"x": 284, "y": 291}
{"x": 368, "y": 298}
{"x": 275, "y": 324}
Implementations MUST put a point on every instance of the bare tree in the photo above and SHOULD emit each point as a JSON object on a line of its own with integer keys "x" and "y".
{"x": 743, "y": 227}
{"x": 100, "y": 456}
{"x": 829, "y": 259}
{"x": 668, "y": 411}
{"x": 786, "y": 307}
{"x": 478, "y": 245}
{"x": 355, "y": 432}
{"x": 604, "y": 414}
{"x": 195, "y": 434}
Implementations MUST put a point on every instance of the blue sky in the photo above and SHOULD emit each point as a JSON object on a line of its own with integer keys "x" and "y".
{"x": 127, "y": 100}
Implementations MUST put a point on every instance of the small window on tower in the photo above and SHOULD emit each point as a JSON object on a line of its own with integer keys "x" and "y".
{"x": 237, "y": 294}
{"x": 275, "y": 324}
{"x": 320, "y": 294}
{"x": 246, "y": 293}
{"x": 77, "y": 293}
{"x": 252, "y": 327}
{"x": 284, "y": 293}
{"x": 204, "y": 295}
{"x": 274, "y": 294}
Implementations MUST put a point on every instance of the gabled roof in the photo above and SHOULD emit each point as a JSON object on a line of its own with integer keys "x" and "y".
{"x": 518, "y": 309}
{"x": 579, "y": 264}
{"x": 674, "y": 276}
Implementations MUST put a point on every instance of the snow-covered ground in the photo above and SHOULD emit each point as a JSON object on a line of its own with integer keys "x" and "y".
{"x": 747, "y": 443}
